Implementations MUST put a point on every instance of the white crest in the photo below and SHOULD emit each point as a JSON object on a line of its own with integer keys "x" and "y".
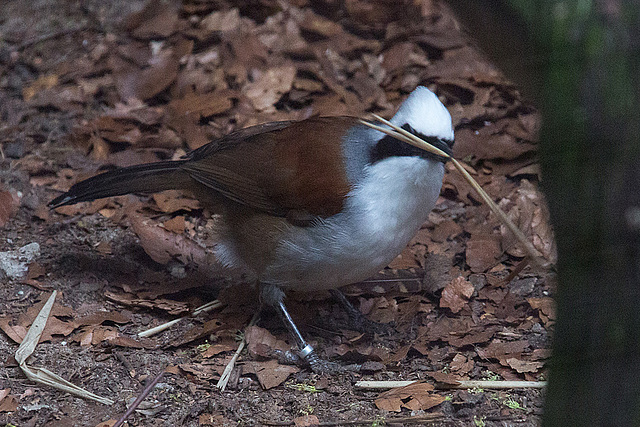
{"x": 424, "y": 112}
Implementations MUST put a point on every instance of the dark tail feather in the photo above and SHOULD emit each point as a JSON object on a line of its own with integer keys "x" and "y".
{"x": 147, "y": 178}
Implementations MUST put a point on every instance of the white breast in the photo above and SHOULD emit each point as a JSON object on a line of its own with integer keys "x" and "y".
{"x": 381, "y": 216}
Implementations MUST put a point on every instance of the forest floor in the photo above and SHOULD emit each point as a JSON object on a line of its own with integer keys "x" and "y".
{"x": 86, "y": 86}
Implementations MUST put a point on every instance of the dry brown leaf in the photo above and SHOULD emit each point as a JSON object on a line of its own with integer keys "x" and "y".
{"x": 445, "y": 378}
{"x": 154, "y": 21}
{"x": 173, "y": 200}
{"x": 498, "y": 350}
{"x": 94, "y": 335}
{"x": 194, "y": 106}
{"x": 270, "y": 87}
{"x": 54, "y": 326}
{"x": 490, "y": 142}
{"x": 306, "y": 421}
{"x": 216, "y": 349}
{"x": 455, "y": 182}
{"x": 9, "y": 204}
{"x": 483, "y": 251}
{"x": 383, "y": 309}
{"x": 531, "y": 169}
{"x": 15, "y": 332}
{"x": 358, "y": 352}
{"x": 101, "y": 317}
{"x": 261, "y": 342}
{"x": 42, "y": 83}
{"x": 136, "y": 110}
{"x": 104, "y": 247}
{"x": 545, "y": 306}
{"x": 83, "y": 208}
{"x": 208, "y": 419}
{"x": 445, "y": 230}
{"x": 199, "y": 332}
{"x": 445, "y": 328}
{"x": 530, "y": 214}
{"x": 170, "y": 306}
{"x": 436, "y": 272}
{"x": 400, "y": 354}
{"x": 97, "y": 334}
{"x": 122, "y": 341}
{"x": 409, "y": 309}
{"x": 175, "y": 224}
{"x": 117, "y": 130}
{"x": 64, "y": 98}
{"x": 204, "y": 372}
{"x": 414, "y": 397}
{"x": 526, "y": 126}
{"x": 8, "y": 402}
{"x": 320, "y": 25}
{"x": 270, "y": 374}
{"x": 222, "y": 21}
{"x": 477, "y": 336}
{"x": 398, "y": 56}
{"x": 405, "y": 260}
{"x": 541, "y": 354}
{"x": 461, "y": 365}
{"x": 35, "y": 271}
{"x": 456, "y": 293}
{"x": 162, "y": 245}
{"x": 372, "y": 14}
{"x": 145, "y": 83}
{"x": 522, "y": 366}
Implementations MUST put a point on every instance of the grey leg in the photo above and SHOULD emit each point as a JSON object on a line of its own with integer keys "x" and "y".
{"x": 358, "y": 320}
{"x": 353, "y": 312}
{"x": 274, "y": 297}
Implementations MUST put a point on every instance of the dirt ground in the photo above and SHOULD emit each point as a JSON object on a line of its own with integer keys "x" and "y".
{"x": 85, "y": 86}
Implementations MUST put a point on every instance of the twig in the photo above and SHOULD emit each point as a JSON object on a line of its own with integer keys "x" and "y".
{"x": 404, "y": 138}
{"x": 516, "y": 270}
{"x": 50, "y": 36}
{"x": 381, "y": 385}
{"x": 462, "y": 384}
{"x": 145, "y": 392}
{"x": 409, "y": 138}
{"x": 125, "y": 362}
{"x": 203, "y": 308}
{"x": 533, "y": 253}
{"x": 425, "y": 418}
{"x": 224, "y": 378}
{"x": 496, "y": 385}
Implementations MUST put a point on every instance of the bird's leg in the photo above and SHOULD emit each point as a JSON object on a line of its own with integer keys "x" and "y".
{"x": 359, "y": 321}
{"x": 274, "y": 297}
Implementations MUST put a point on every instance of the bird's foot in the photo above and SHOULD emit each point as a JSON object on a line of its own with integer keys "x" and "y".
{"x": 312, "y": 360}
{"x": 273, "y": 296}
{"x": 321, "y": 366}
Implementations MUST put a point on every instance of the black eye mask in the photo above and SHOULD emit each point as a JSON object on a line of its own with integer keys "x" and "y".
{"x": 389, "y": 147}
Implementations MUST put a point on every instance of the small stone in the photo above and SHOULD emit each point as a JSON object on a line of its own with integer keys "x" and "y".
{"x": 15, "y": 263}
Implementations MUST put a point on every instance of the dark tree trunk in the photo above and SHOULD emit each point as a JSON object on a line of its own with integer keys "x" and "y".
{"x": 590, "y": 155}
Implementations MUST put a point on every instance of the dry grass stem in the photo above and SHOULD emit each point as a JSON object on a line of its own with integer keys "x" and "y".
{"x": 495, "y": 385}
{"x": 42, "y": 375}
{"x": 226, "y": 374}
{"x": 409, "y": 138}
{"x": 203, "y": 308}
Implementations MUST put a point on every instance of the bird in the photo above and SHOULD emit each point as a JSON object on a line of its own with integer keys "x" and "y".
{"x": 305, "y": 205}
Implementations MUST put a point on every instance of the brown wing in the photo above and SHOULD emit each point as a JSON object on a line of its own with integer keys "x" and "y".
{"x": 283, "y": 167}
